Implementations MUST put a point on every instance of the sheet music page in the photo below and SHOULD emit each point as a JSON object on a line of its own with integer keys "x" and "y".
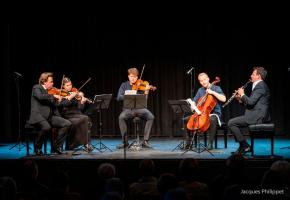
{"x": 193, "y": 106}
{"x": 130, "y": 92}
{"x": 98, "y": 96}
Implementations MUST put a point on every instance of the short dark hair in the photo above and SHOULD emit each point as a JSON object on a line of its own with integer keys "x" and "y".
{"x": 261, "y": 71}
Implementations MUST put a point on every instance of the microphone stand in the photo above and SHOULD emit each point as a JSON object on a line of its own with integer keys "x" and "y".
{"x": 191, "y": 80}
{"x": 19, "y": 142}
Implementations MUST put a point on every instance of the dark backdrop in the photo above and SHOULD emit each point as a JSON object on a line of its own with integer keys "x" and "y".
{"x": 82, "y": 49}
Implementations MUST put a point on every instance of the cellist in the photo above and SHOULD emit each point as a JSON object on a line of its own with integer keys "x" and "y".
{"x": 216, "y": 113}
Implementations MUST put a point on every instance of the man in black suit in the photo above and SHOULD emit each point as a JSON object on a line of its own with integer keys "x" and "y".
{"x": 257, "y": 108}
{"x": 44, "y": 114}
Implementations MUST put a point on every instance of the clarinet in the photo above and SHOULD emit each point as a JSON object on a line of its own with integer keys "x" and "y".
{"x": 234, "y": 94}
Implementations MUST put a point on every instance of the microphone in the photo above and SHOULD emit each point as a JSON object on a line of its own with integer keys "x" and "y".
{"x": 18, "y": 74}
{"x": 189, "y": 71}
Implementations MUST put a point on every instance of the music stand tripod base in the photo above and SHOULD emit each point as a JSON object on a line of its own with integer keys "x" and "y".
{"x": 199, "y": 146}
{"x": 180, "y": 146}
{"x": 102, "y": 147}
{"x": 180, "y": 108}
{"x": 101, "y": 102}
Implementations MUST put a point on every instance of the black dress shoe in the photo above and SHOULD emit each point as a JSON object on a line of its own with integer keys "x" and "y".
{"x": 58, "y": 150}
{"x": 210, "y": 146}
{"x": 39, "y": 152}
{"x": 88, "y": 147}
{"x": 245, "y": 150}
{"x": 146, "y": 144}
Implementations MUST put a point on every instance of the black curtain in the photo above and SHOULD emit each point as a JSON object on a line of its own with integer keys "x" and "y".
{"x": 82, "y": 49}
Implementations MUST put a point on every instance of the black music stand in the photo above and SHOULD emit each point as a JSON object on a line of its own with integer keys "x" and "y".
{"x": 101, "y": 102}
{"x": 180, "y": 107}
{"x": 135, "y": 101}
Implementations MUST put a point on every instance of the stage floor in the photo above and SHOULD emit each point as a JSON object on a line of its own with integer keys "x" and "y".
{"x": 163, "y": 148}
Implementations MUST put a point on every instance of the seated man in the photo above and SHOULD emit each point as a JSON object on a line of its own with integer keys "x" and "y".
{"x": 130, "y": 113}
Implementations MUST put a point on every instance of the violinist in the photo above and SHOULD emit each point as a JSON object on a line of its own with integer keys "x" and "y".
{"x": 257, "y": 108}
{"x": 126, "y": 114}
{"x": 71, "y": 107}
{"x": 216, "y": 113}
{"x": 44, "y": 114}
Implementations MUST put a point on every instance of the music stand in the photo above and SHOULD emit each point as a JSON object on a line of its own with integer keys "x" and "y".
{"x": 180, "y": 107}
{"x": 135, "y": 101}
{"x": 101, "y": 102}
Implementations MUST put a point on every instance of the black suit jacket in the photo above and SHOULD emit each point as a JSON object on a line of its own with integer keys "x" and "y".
{"x": 257, "y": 104}
{"x": 43, "y": 105}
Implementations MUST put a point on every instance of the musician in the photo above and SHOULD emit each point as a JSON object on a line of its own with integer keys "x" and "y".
{"x": 44, "y": 114}
{"x": 216, "y": 113}
{"x": 257, "y": 108}
{"x": 126, "y": 114}
{"x": 71, "y": 109}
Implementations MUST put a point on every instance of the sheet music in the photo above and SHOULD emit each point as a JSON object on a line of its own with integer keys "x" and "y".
{"x": 130, "y": 92}
{"x": 97, "y": 96}
{"x": 193, "y": 106}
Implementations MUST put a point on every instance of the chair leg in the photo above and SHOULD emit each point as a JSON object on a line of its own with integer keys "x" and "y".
{"x": 27, "y": 145}
{"x": 226, "y": 138}
{"x": 272, "y": 146}
{"x": 252, "y": 146}
{"x": 215, "y": 140}
{"x": 45, "y": 145}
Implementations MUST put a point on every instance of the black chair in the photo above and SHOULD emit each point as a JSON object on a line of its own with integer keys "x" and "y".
{"x": 136, "y": 144}
{"x": 266, "y": 131}
{"x": 224, "y": 130}
{"x": 30, "y": 133}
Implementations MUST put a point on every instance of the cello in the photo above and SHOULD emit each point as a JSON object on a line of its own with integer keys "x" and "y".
{"x": 200, "y": 121}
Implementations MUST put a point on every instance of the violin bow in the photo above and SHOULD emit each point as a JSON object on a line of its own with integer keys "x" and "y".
{"x": 142, "y": 72}
{"x": 84, "y": 84}
{"x": 61, "y": 84}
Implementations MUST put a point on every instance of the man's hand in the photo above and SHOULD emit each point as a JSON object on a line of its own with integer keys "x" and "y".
{"x": 241, "y": 91}
{"x": 58, "y": 97}
{"x": 209, "y": 91}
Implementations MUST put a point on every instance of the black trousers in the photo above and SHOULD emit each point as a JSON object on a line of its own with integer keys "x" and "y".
{"x": 142, "y": 113}
{"x": 235, "y": 126}
{"x": 63, "y": 126}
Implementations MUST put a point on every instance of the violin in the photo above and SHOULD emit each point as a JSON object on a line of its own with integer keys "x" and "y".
{"x": 65, "y": 93}
{"x": 56, "y": 91}
{"x": 141, "y": 85}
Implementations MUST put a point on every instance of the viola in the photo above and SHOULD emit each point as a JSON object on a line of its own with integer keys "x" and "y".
{"x": 205, "y": 104}
{"x": 141, "y": 85}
